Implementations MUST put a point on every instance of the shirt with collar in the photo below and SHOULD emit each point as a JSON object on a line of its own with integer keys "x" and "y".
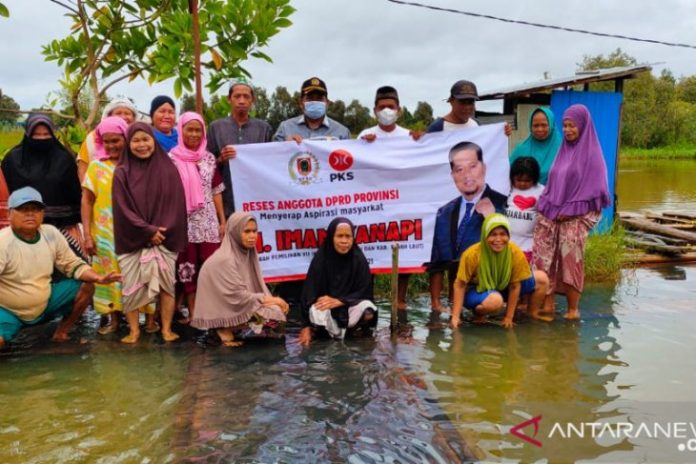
{"x": 462, "y": 209}
{"x": 327, "y": 130}
{"x": 226, "y": 131}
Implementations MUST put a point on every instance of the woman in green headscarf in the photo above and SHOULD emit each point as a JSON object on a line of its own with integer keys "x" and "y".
{"x": 543, "y": 141}
{"x": 493, "y": 271}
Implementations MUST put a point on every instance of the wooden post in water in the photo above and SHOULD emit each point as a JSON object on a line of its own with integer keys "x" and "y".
{"x": 394, "y": 285}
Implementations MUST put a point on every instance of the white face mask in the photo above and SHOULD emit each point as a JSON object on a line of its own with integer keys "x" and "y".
{"x": 387, "y": 116}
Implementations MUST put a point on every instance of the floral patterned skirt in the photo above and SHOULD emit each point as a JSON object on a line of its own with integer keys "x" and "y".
{"x": 559, "y": 249}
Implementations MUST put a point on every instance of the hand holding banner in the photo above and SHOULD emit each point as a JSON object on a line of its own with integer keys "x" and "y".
{"x": 390, "y": 189}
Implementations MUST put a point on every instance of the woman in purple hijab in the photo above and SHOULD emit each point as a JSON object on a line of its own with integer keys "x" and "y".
{"x": 569, "y": 208}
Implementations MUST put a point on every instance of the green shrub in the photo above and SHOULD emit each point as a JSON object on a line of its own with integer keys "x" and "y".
{"x": 604, "y": 255}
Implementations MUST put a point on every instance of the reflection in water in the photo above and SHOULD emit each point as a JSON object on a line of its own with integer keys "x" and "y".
{"x": 492, "y": 379}
{"x": 659, "y": 185}
{"x": 437, "y": 396}
{"x": 332, "y": 403}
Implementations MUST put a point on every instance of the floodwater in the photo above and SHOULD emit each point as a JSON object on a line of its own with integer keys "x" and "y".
{"x": 657, "y": 185}
{"x": 436, "y": 396}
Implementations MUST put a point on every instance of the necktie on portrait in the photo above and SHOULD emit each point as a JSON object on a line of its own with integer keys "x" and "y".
{"x": 461, "y": 230}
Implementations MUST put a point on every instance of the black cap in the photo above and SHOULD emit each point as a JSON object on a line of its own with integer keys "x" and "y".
{"x": 313, "y": 84}
{"x": 463, "y": 89}
{"x": 385, "y": 92}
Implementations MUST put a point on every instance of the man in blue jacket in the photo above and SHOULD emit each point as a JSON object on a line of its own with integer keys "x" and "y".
{"x": 458, "y": 223}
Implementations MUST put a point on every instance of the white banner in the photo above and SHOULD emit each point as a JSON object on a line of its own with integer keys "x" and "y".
{"x": 390, "y": 189}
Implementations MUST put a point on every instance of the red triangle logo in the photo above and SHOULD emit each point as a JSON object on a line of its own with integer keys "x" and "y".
{"x": 517, "y": 431}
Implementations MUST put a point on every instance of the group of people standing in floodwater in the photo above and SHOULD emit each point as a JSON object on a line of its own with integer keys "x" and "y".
{"x": 151, "y": 208}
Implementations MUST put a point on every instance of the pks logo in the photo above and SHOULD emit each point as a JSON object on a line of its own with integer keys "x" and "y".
{"x": 340, "y": 160}
{"x": 304, "y": 168}
{"x": 517, "y": 431}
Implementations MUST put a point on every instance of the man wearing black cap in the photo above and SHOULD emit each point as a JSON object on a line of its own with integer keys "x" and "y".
{"x": 314, "y": 124}
{"x": 237, "y": 129}
{"x": 462, "y": 100}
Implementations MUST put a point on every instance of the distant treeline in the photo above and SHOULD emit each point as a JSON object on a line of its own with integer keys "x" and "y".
{"x": 282, "y": 105}
{"x": 658, "y": 111}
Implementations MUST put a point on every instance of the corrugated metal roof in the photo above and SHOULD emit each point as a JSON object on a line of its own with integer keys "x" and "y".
{"x": 581, "y": 77}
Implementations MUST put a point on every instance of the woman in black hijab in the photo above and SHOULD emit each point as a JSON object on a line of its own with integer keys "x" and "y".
{"x": 337, "y": 293}
{"x": 42, "y": 162}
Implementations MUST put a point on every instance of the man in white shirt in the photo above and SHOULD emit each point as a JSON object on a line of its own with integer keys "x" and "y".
{"x": 387, "y": 110}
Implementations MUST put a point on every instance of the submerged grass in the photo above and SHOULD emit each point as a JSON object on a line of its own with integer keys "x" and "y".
{"x": 681, "y": 151}
{"x": 604, "y": 255}
{"x": 604, "y": 259}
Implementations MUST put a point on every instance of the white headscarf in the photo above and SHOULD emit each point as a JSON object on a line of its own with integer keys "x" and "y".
{"x": 120, "y": 103}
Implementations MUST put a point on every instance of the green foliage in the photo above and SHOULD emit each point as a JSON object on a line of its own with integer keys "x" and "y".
{"x": 336, "y": 110}
{"x": 357, "y": 117}
{"x": 282, "y": 106}
{"x": 8, "y": 139}
{"x": 8, "y": 103}
{"x": 418, "y": 284}
{"x": 419, "y": 120}
{"x": 111, "y": 41}
{"x": 677, "y": 151}
{"x": 658, "y": 111}
{"x": 218, "y": 108}
{"x": 423, "y": 114}
{"x": 262, "y": 105}
{"x": 604, "y": 255}
{"x": 4, "y": 12}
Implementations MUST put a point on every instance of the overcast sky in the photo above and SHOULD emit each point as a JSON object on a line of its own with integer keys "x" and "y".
{"x": 358, "y": 45}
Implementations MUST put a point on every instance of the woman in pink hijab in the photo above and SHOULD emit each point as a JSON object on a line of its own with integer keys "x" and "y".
{"x": 203, "y": 188}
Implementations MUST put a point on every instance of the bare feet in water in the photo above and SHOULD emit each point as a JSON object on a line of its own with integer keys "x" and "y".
{"x": 111, "y": 327}
{"x": 152, "y": 327}
{"x": 169, "y": 336}
{"x": 573, "y": 315}
{"x": 227, "y": 338}
{"x": 60, "y": 337}
{"x": 131, "y": 338}
{"x": 539, "y": 316}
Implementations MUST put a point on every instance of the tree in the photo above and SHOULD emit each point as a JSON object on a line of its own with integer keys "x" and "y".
{"x": 614, "y": 59}
{"x": 262, "y": 105}
{"x": 218, "y": 108}
{"x": 406, "y": 119}
{"x": 188, "y": 103}
{"x": 423, "y": 113}
{"x": 686, "y": 89}
{"x": 282, "y": 106}
{"x": 8, "y": 103}
{"x": 337, "y": 111}
{"x": 357, "y": 117}
{"x": 111, "y": 41}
